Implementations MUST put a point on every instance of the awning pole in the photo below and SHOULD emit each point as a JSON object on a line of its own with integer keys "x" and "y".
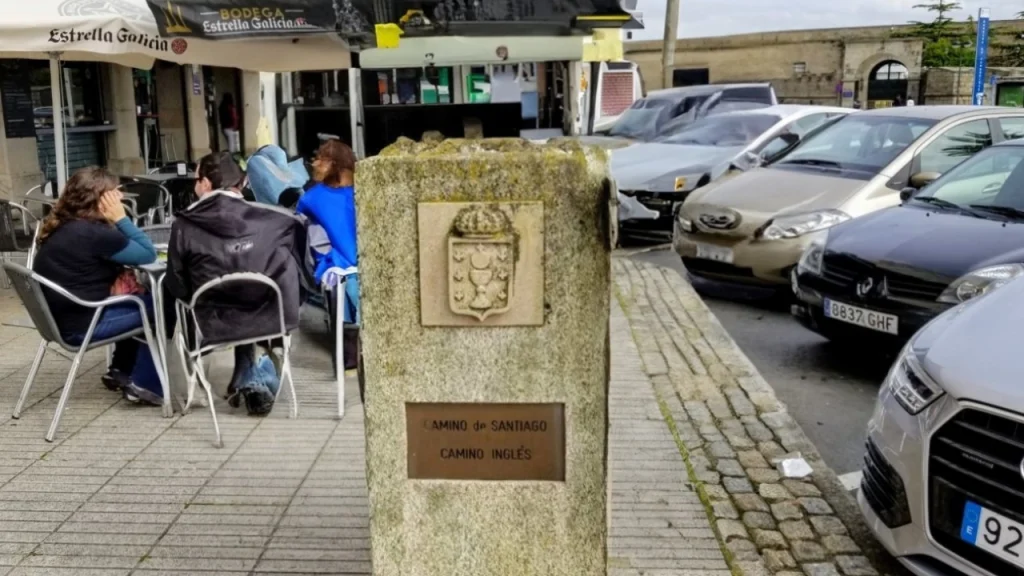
{"x": 58, "y": 121}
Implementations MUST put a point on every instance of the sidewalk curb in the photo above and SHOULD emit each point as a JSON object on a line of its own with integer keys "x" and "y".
{"x": 728, "y": 425}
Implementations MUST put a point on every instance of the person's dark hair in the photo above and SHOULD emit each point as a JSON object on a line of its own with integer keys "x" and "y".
{"x": 228, "y": 99}
{"x": 341, "y": 158}
{"x": 221, "y": 169}
{"x": 80, "y": 199}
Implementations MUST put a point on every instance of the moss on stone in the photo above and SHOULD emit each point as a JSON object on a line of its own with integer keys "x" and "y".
{"x": 451, "y": 528}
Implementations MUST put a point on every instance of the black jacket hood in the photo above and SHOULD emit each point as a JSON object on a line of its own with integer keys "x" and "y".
{"x": 213, "y": 214}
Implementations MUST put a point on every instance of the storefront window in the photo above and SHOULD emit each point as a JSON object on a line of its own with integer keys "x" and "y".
{"x": 83, "y": 100}
{"x": 430, "y": 85}
{"x": 324, "y": 88}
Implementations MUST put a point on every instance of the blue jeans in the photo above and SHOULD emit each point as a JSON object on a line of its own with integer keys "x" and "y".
{"x": 114, "y": 321}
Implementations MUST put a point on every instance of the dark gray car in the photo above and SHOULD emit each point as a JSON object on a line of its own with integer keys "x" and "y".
{"x": 666, "y": 111}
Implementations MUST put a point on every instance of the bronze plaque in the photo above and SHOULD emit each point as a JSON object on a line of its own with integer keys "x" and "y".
{"x": 486, "y": 441}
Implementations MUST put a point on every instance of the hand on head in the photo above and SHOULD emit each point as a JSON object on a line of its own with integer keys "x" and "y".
{"x": 111, "y": 206}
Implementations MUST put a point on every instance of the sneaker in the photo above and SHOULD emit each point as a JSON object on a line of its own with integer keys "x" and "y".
{"x": 115, "y": 380}
{"x": 138, "y": 395}
{"x": 259, "y": 401}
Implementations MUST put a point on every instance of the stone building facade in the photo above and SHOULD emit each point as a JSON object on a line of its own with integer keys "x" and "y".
{"x": 829, "y": 66}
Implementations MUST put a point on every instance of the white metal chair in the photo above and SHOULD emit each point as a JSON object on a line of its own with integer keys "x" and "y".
{"x": 192, "y": 355}
{"x": 332, "y": 290}
{"x": 29, "y": 287}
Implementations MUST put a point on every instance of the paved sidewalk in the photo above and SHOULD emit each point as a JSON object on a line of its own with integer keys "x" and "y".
{"x": 124, "y": 491}
{"x": 658, "y": 523}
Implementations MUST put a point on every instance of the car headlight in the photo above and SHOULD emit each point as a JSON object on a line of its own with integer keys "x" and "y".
{"x": 684, "y": 223}
{"x": 980, "y": 282}
{"x": 810, "y": 260}
{"x": 796, "y": 225}
{"x": 912, "y": 387}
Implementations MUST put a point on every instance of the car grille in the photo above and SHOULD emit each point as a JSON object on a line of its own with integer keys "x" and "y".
{"x": 975, "y": 456}
{"x": 660, "y": 202}
{"x": 846, "y": 271}
{"x": 702, "y": 267}
{"x": 883, "y": 489}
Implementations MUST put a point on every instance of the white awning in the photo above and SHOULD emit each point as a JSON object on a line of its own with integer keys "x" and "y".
{"x": 466, "y": 51}
{"x": 124, "y": 32}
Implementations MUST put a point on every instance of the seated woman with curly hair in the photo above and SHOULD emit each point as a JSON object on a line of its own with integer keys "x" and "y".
{"x": 85, "y": 244}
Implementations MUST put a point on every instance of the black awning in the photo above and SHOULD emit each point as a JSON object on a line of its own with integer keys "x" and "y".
{"x": 241, "y": 19}
{"x": 355, "y": 20}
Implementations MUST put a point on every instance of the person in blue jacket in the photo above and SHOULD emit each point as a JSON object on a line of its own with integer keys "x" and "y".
{"x": 331, "y": 204}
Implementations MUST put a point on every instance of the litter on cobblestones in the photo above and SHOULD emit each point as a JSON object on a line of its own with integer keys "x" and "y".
{"x": 793, "y": 466}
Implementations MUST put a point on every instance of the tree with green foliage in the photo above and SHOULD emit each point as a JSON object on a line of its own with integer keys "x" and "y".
{"x": 946, "y": 42}
{"x": 940, "y": 26}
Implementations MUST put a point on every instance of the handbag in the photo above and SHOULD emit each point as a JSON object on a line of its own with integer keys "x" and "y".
{"x": 126, "y": 283}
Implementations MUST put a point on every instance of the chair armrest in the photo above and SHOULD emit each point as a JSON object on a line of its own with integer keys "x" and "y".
{"x": 127, "y": 298}
{"x": 25, "y": 215}
{"x": 25, "y": 211}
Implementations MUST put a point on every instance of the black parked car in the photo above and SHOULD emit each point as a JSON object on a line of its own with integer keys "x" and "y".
{"x": 884, "y": 275}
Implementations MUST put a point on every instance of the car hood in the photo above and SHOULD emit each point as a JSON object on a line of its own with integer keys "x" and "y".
{"x": 654, "y": 166}
{"x": 972, "y": 349}
{"x": 763, "y": 193}
{"x": 605, "y": 142}
{"x": 932, "y": 244}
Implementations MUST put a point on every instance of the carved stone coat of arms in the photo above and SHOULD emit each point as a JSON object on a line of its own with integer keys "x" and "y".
{"x": 481, "y": 261}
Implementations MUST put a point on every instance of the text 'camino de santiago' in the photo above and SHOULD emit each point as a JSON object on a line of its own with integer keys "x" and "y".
{"x": 491, "y": 427}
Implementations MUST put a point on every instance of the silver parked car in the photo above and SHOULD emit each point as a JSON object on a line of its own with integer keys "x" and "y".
{"x": 943, "y": 486}
{"x": 654, "y": 177}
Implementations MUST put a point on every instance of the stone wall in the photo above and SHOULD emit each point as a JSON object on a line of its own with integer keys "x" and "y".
{"x": 956, "y": 86}
{"x": 832, "y": 61}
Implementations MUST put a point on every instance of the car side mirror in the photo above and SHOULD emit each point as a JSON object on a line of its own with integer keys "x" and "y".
{"x": 922, "y": 179}
{"x": 907, "y": 193}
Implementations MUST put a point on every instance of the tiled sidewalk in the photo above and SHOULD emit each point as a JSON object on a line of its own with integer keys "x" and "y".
{"x": 124, "y": 491}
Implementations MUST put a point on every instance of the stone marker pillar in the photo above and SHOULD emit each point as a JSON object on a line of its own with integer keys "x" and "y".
{"x": 485, "y": 274}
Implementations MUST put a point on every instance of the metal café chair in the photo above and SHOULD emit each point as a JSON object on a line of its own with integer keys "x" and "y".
{"x": 11, "y": 242}
{"x": 332, "y": 296}
{"x": 158, "y": 233}
{"x": 29, "y": 287}
{"x": 150, "y": 200}
{"x": 191, "y": 347}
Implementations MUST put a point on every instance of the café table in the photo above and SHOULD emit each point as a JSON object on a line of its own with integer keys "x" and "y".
{"x": 154, "y": 274}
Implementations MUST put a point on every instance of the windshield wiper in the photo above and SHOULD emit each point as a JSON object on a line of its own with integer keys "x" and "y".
{"x": 938, "y": 202}
{"x": 1007, "y": 211}
{"x": 813, "y": 162}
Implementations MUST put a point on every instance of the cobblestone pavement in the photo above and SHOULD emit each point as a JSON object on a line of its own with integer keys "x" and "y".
{"x": 124, "y": 491}
{"x": 729, "y": 427}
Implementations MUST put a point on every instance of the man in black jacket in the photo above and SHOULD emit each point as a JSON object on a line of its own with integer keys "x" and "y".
{"x": 220, "y": 234}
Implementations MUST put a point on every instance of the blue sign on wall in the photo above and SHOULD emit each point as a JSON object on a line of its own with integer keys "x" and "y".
{"x": 981, "y": 56}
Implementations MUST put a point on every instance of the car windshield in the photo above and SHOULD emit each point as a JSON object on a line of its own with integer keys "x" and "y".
{"x": 649, "y": 117}
{"x": 858, "y": 142}
{"x": 990, "y": 183}
{"x": 726, "y": 130}
{"x": 642, "y": 118}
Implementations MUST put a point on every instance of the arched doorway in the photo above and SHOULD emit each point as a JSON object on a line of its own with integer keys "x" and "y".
{"x": 887, "y": 80}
